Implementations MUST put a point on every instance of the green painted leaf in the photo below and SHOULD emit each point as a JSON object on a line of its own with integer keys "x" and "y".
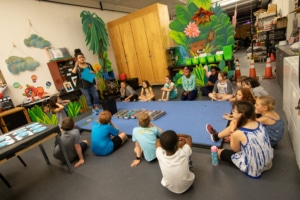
{"x": 201, "y": 3}
{"x": 205, "y": 28}
{"x": 222, "y": 65}
{"x": 230, "y": 74}
{"x": 182, "y": 14}
{"x": 230, "y": 40}
{"x": 192, "y": 8}
{"x": 225, "y": 19}
{"x": 230, "y": 30}
{"x": 176, "y": 25}
{"x": 214, "y": 20}
{"x": 179, "y": 38}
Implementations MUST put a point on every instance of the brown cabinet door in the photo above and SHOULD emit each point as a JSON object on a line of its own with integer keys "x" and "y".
{"x": 119, "y": 52}
{"x": 156, "y": 47}
{"x": 141, "y": 44}
{"x": 130, "y": 50}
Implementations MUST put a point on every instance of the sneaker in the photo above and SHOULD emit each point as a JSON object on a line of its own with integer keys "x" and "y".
{"x": 211, "y": 132}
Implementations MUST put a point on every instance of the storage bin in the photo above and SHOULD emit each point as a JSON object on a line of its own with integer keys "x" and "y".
{"x": 211, "y": 58}
{"x": 227, "y": 52}
{"x": 188, "y": 61}
{"x": 195, "y": 61}
{"x": 203, "y": 60}
{"x": 219, "y": 57}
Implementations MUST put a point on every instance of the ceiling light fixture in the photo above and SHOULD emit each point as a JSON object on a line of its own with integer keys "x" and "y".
{"x": 224, "y": 2}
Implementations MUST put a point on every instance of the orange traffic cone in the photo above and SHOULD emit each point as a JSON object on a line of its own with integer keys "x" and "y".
{"x": 272, "y": 57}
{"x": 237, "y": 70}
{"x": 268, "y": 71}
{"x": 252, "y": 72}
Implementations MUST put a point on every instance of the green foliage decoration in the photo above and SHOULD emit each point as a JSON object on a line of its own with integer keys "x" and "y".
{"x": 96, "y": 37}
{"x": 83, "y": 103}
{"x": 73, "y": 109}
{"x": 219, "y": 22}
{"x": 37, "y": 115}
{"x": 198, "y": 72}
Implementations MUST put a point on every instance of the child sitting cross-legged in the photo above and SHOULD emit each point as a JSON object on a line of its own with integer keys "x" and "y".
{"x": 250, "y": 145}
{"x": 222, "y": 88}
{"x": 145, "y": 138}
{"x": 71, "y": 141}
{"x": 255, "y": 86}
{"x": 106, "y": 138}
{"x": 173, "y": 152}
{"x": 270, "y": 118}
{"x": 169, "y": 90}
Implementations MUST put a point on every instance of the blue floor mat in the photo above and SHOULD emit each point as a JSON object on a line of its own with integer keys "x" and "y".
{"x": 188, "y": 117}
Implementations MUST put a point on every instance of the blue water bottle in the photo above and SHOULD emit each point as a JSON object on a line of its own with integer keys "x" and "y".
{"x": 214, "y": 156}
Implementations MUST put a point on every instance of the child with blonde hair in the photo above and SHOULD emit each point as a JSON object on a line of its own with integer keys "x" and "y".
{"x": 145, "y": 138}
{"x": 106, "y": 138}
{"x": 265, "y": 106}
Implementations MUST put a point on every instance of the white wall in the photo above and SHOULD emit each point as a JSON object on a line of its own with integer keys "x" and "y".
{"x": 57, "y": 23}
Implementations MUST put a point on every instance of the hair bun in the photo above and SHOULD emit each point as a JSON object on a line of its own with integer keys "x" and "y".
{"x": 77, "y": 51}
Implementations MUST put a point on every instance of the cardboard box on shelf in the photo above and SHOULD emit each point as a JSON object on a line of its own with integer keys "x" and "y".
{"x": 272, "y": 8}
{"x": 281, "y": 22}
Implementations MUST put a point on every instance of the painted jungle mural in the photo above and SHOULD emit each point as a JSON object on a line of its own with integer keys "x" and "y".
{"x": 201, "y": 30}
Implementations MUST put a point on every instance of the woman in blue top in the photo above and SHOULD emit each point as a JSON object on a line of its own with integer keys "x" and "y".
{"x": 189, "y": 85}
{"x": 251, "y": 150}
{"x": 105, "y": 137}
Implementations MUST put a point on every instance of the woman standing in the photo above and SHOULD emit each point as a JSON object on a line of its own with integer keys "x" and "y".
{"x": 85, "y": 80}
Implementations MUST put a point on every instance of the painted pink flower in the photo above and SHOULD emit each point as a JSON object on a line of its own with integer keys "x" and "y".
{"x": 192, "y": 30}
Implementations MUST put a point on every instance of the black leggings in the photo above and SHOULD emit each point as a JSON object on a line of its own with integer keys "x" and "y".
{"x": 226, "y": 156}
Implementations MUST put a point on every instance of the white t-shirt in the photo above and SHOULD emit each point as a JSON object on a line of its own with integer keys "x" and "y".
{"x": 175, "y": 169}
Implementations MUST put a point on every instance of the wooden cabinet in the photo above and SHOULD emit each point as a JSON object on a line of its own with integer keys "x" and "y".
{"x": 61, "y": 71}
{"x": 139, "y": 41}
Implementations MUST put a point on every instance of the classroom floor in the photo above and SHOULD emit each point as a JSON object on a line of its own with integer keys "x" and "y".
{"x": 112, "y": 177}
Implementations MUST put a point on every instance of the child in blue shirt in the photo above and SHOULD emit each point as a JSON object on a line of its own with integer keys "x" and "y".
{"x": 105, "y": 137}
{"x": 145, "y": 138}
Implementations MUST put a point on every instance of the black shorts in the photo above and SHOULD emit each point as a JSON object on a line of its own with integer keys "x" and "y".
{"x": 226, "y": 156}
{"x": 117, "y": 142}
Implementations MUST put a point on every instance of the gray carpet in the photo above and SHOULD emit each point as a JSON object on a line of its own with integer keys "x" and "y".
{"x": 112, "y": 177}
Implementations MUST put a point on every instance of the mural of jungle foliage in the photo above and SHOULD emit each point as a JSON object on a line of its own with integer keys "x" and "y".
{"x": 96, "y": 37}
{"x": 44, "y": 115}
{"x": 201, "y": 28}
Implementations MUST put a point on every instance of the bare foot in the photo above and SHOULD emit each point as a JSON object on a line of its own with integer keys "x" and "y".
{"x": 135, "y": 163}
